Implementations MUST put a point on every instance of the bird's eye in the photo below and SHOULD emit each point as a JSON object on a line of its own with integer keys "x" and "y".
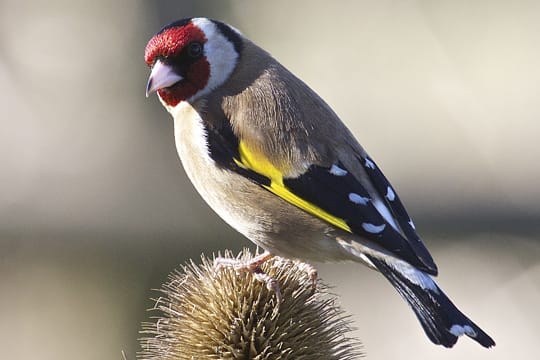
{"x": 194, "y": 49}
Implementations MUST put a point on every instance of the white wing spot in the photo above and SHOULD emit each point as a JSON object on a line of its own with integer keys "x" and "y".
{"x": 374, "y": 229}
{"x": 385, "y": 213}
{"x": 370, "y": 164}
{"x": 458, "y": 330}
{"x": 357, "y": 199}
{"x": 412, "y": 224}
{"x": 390, "y": 194}
{"x": 336, "y": 170}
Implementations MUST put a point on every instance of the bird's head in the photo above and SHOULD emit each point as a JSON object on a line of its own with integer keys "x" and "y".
{"x": 191, "y": 57}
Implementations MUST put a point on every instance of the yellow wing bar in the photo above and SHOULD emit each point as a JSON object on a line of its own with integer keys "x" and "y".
{"x": 257, "y": 162}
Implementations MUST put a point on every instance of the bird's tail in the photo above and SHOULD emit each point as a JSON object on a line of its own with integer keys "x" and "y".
{"x": 440, "y": 318}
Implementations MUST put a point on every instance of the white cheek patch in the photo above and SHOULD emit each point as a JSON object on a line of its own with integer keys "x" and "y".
{"x": 219, "y": 52}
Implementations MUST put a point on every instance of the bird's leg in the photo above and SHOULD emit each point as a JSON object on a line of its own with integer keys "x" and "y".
{"x": 240, "y": 265}
{"x": 271, "y": 283}
{"x": 253, "y": 266}
{"x": 311, "y": 272}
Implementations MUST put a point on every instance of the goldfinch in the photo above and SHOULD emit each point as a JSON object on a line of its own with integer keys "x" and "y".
{"x": 278, "y": 165}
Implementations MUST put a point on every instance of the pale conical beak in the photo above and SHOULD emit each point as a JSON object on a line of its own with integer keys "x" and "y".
{"x": 162, "y": 76}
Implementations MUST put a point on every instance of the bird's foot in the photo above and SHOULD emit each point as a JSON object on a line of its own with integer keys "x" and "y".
{"x": 311, "y": 272}
{"x": 253, "y": 266}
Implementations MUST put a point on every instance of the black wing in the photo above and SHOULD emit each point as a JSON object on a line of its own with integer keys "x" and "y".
{"x": 383, "y": 221}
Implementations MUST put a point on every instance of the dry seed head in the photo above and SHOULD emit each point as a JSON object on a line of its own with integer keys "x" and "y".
{"x": 204, "y": 314}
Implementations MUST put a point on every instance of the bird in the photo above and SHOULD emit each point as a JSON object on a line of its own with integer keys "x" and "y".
{"x": 276, "y": 163}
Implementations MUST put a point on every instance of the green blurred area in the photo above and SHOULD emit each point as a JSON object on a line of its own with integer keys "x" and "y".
{"x": 95, "y": 209}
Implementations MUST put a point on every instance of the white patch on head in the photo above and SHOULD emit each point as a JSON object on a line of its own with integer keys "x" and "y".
{"x": 412, "y": 224}
{"x": 458, "y": 330}
{"x": 414, "y": 275}
{"x": 369, "y": 164}
{"x": 385, "y": 213}
{"x": 390, "y": 195}
{"x": 374, "y": 229}
{"x": 357, "y": 199}
{"x": 337, "y": 171}
{"x": 219, "y": 52}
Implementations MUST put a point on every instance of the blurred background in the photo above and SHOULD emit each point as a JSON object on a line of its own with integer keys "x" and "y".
{"x": 95, "y": 209}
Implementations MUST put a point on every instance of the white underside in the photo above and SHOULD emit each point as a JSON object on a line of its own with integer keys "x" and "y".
{"x": 192, "y": 148}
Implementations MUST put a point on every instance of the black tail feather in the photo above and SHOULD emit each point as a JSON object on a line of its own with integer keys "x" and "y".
{"x": 440, "y": 318}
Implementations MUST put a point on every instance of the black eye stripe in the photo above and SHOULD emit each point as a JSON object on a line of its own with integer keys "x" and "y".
{"x": 185, "y": 58}
{"x": 188, "y": 54}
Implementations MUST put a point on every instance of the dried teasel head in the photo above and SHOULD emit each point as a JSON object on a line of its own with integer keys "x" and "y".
{"x": 204, "y": 314}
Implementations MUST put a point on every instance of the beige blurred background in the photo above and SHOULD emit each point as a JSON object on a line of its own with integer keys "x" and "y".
{"x": 95, "y": 209}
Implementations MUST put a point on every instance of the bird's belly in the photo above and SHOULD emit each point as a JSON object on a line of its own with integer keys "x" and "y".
{"x": 267, "y": 220}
